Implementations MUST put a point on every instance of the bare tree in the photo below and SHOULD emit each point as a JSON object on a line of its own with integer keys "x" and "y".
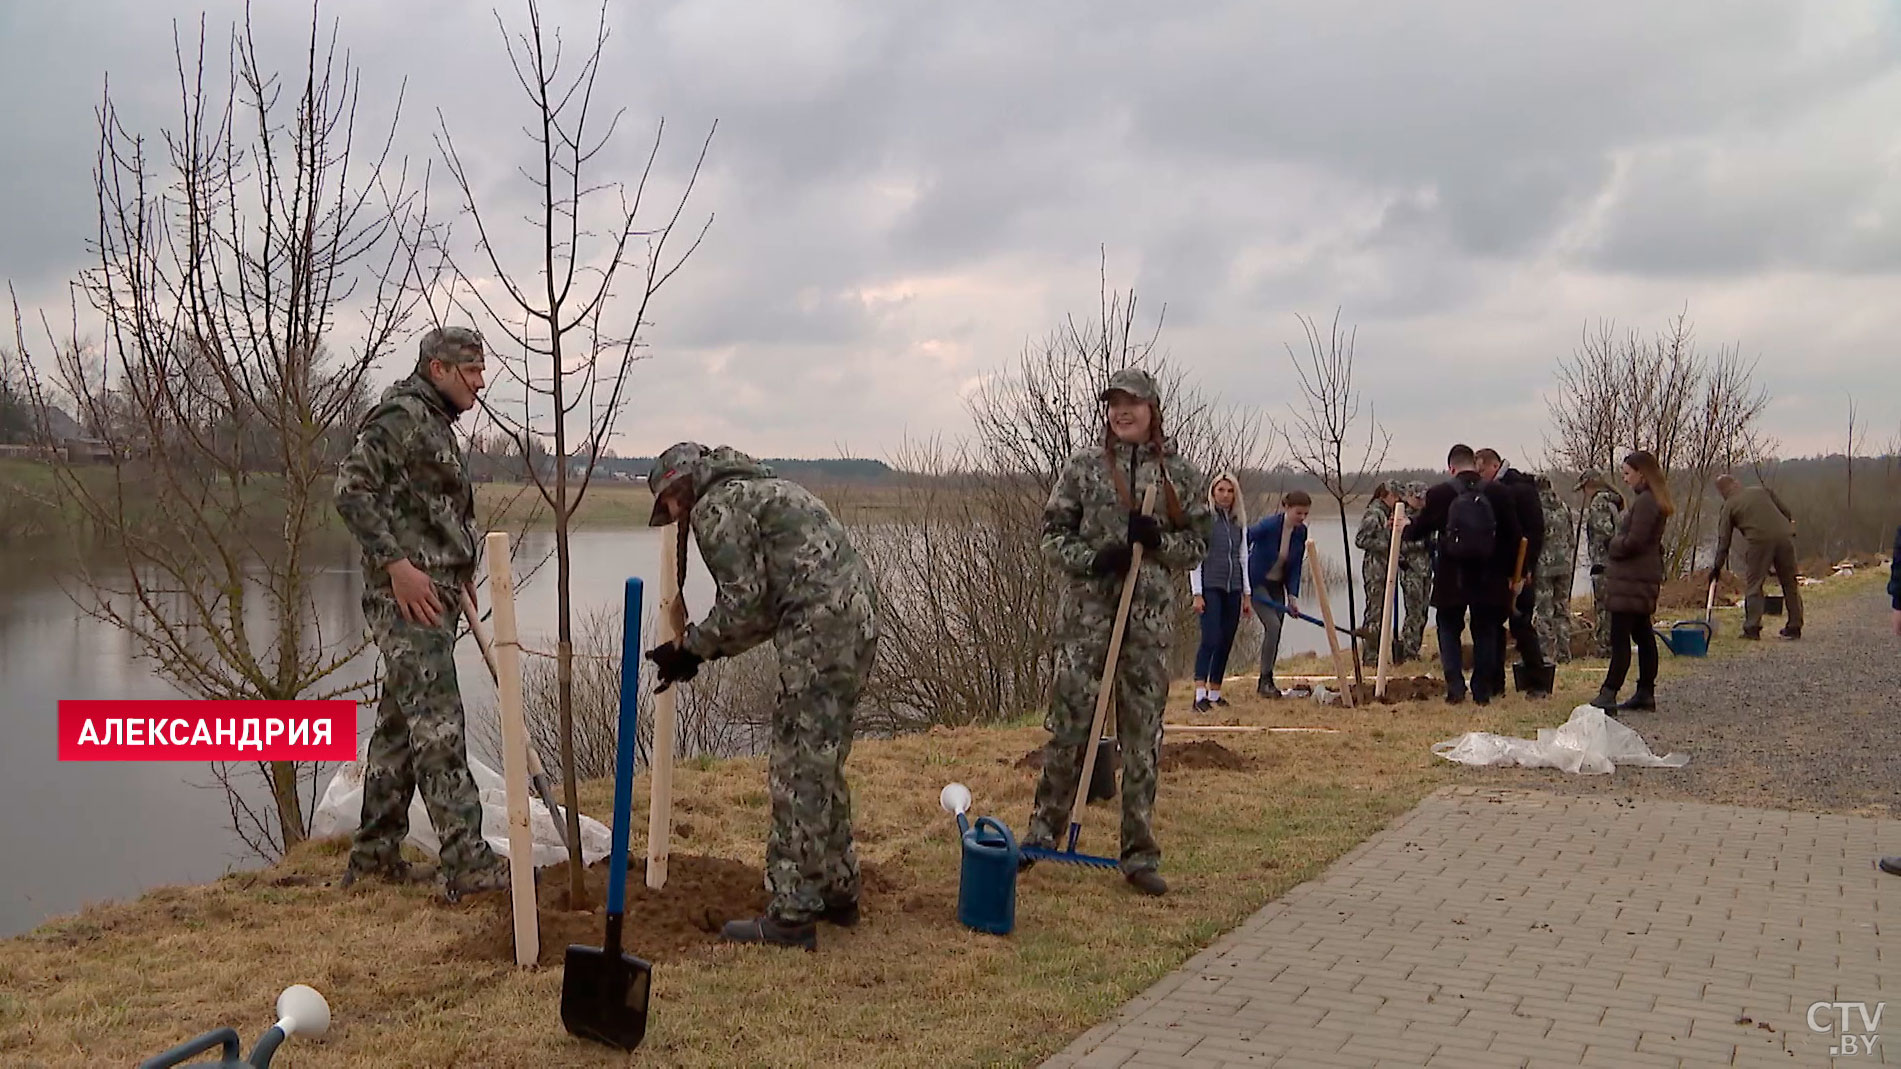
{"x": 1857, "y": 439}
{"x": 573, "y": 315}
{"x": 1325, "y": 434}
{"x": 228, "y": 251}
{"x": 1698, "y": 414}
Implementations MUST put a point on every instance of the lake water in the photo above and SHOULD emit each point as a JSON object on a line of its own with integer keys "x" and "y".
{"x": 75, "y": 833}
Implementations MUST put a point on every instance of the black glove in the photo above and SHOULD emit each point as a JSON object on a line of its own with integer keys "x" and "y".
{"x": 1111, "y": 561}
{"x": 1145, "y": 531}
{"x": 1597, "y": 569}
{"x": 1716, "y": 573}
{"x": 674, "y": 664}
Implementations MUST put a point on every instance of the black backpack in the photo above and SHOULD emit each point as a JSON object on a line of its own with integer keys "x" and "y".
{"x": 1471, "y": 532}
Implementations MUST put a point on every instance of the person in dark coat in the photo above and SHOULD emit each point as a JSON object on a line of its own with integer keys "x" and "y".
{"x": 1632, "y": 582}
{"x": 1531, "y": 527}
{"x": 1482, "y": 589}
{"x": 1892, "y": 865}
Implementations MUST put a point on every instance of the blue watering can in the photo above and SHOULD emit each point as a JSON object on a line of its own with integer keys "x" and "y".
{"x": 1688, "y": 638}
{"x": 987, "y": 884}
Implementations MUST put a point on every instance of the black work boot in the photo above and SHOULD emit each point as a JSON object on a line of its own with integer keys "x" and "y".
{"x": 843, "y": 914}
{"x": 1643, "y": 699}
{"x": 774, "y": 932}
{"x": 1148, "y": 881}
{"x": 1606, "y": 699}
{"x": 1790, "y": 632}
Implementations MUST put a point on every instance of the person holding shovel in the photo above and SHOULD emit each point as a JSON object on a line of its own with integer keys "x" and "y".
{"x": 1090, "y": 526}
{"x": 785, "y": 571}
{"x": 1276, "y": 547}
{"x": 404, "y": 494}
{"x": 1768, "y": 529}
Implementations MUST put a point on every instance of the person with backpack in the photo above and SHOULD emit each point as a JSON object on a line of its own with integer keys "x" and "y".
{"x": 1632, "y": 582}
{"x": 1477, "y": 526}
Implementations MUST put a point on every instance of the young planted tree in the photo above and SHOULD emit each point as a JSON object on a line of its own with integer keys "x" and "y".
{"x": 228, "y": 251}
{"x": 571, "y": 315}
{"x": 1326, "y": 432}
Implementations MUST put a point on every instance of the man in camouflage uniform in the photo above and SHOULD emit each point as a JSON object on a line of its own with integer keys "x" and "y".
{"x": 1375, "y": 540}
{"x": 404, "y": 494}
{"x": 785, "y": 571}
{"x": 1551, "y": 613}
{"x": 1090, "y": 526}
{"x": 1602, "y": 506}
{"x": 1415, "y": 582}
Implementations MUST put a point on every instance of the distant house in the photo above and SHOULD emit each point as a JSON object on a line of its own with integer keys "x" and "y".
{"x": 87, "y": 451}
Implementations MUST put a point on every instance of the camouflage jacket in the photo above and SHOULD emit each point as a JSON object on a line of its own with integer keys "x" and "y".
{"x": 1560, "y": 534}
{"x": 1085, "y": 514}
{"x": 1375, "y": 535}
{"x": 404, "y": 489}
{"x": 1600, "y": 523}
{"x": 780, "y": 559}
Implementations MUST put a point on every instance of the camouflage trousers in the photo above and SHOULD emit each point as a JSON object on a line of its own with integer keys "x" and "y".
{"x": 1374, "y": 586}
{"x": 419, "y": 743}
{"x": 1415, "y": 595}
{"x": 1551, "y": 617}
{"x": 1601, "y": 631}
{"x": 1141, "y": 691}
{"x": 810, "y": 861}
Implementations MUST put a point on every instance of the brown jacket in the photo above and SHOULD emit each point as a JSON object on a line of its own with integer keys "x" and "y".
{"x": 1758, "y": 513}
{"x": 1634, "y": 576}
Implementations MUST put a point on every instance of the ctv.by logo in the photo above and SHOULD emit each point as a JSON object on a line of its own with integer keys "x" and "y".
{"x": 1823, "y": 1017}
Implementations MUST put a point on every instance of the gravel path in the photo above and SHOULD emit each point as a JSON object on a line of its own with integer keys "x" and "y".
{"x": 1809, "y": 725}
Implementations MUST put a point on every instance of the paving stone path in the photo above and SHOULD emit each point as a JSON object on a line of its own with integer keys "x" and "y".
{"x": 1505, "y": 926}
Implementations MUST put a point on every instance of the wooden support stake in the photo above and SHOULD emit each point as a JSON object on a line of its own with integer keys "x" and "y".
{"x": 1341, "y": 671}
{"x": 521, "y": 839}
{"x": 1386, "y": 610}
{"x": 660, "y": 757}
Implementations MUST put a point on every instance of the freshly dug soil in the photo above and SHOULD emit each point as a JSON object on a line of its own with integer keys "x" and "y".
{"x": 700, "y": 895}
{"x": 1400, "y": 689}
{"x": 1688, "y": 593}
{"x": 1202, "y": 753}
{"x": 1176, "y": 757}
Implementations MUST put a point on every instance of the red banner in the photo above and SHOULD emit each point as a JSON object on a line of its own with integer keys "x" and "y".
{"x": 185, "y": 730}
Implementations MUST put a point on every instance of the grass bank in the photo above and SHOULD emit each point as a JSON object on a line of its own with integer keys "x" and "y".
{"x": 1242, "y": 817}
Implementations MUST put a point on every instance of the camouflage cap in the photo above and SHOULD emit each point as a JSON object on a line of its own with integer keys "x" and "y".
{"x": 669, "y": 470}
{"x": 451, "y": 345}
{"x": 1136, "y": 383}
{"x": 1414, "y": 489}
{"x": 1585, "y": 478}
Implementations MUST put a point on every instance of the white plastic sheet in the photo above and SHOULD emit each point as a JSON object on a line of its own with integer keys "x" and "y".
{"x": 1591, "y": 743}
{"x": 341, "y": 810}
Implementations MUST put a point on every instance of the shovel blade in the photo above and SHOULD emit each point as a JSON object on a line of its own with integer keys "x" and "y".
{"x": 604, "y": 996}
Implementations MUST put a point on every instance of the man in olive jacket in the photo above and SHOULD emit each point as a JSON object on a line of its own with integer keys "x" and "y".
{"x": 1768, "y": 529}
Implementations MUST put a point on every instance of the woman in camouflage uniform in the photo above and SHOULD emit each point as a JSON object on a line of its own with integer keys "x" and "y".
{"x": 1090, "y": 524}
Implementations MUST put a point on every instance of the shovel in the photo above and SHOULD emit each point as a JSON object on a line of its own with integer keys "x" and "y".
{"x": 603, "y": 990}
{"x": 537, "y": 774}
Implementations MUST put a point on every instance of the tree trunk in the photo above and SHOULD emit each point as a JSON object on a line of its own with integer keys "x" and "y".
{"x": 290, "y": 813}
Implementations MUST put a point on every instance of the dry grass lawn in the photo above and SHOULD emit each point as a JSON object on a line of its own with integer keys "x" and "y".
{"x": 908, "y": 987}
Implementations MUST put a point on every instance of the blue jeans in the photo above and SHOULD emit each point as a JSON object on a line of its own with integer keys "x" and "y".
{"x": 1488, "y": 650}
{"x": 1220, "y": 620}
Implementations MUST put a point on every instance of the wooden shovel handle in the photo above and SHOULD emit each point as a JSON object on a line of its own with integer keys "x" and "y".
{"x": 1107, "y": 689}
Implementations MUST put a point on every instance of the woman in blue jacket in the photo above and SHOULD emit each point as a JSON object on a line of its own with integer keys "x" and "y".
{"x": 1276, "y": 547}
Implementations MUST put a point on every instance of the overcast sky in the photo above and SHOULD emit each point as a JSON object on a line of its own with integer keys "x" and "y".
{"x": 907, "y": 193}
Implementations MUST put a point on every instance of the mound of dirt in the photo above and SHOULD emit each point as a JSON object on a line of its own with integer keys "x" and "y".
{"x": 1202, "y": 753}
{"x": 1400, "y": 689}
{"x": 701, "y": 894}
{"x": 1689, "y": 592}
